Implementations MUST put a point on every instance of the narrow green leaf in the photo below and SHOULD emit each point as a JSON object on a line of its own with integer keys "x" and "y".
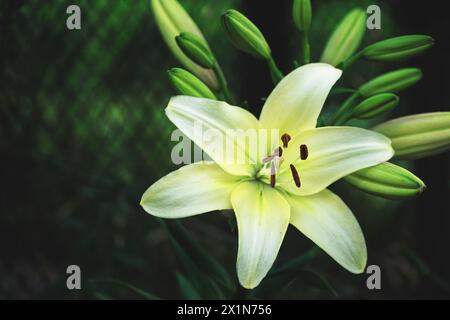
{"x": 140, "y": 292}
{"x": 187, "y": 289}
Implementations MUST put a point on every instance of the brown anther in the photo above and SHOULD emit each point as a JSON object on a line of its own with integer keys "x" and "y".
{"x": 295, "y": 176}
{"x": 303, "y": 151}
{"x": 285, "y": 138}
{"x": 279, "y": 151}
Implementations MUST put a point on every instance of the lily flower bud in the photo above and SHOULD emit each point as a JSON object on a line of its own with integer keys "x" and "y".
{"x": 375, "y": 105}
{"x": 418, "y": 136}
{"x": 301, "y": 13}
{"x": 196, "y": 49}
{"x": 188, "y": 84}
{"x": 398, "y": 48}
{"x": 393, "y": 81}
{"x": 245, "y": 35}
{"x": 387, "y": 180}
{"x": 172, "y": 20}
{"x": 346, "y": 38}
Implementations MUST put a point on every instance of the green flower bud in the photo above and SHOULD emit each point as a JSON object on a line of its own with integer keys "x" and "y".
{"x": 398, "y": 48}
{"x": 188, "y": 84}
{"x": 196, "y": 49}
{"x": 172, "y": 20}
{"x": 393, "y": 81}
{"x": 245, "y": 35}
{"x": 387, "y": 180}
{"x": 418, "y": 136}
{"x": 375, "y": 105}
{"x": 301, "y": 12}
{"x": 346, "y": 38}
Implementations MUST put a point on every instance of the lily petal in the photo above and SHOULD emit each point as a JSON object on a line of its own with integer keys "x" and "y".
{"x": 214, "y": 126}
{"x": 295, "y": 103}
{"x": 190, "y": 190}
{"x": 333, "y": 152}
{"x": 262, "y": 217}
{"x": 327, "y": 221}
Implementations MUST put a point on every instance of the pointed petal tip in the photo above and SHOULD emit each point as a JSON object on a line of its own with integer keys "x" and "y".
{"x": 249, "y": 285}
{"x": 142, "y": 203}
{"x": 358, "y": 269}
{"x": 247, "y": 281}
{"x": 357, "y": 265}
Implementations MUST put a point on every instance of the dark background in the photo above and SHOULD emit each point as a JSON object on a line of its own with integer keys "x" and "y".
{"x": 83, "y": 134}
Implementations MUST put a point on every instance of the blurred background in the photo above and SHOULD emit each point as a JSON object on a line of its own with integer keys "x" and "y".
{"x": 83, "y": 134}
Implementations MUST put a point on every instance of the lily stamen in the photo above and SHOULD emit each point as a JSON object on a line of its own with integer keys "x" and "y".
{"x": 285, "y": 138}
{"x": 267, "y": 159}
{"x": 275, "y": 160}
{"x": 279, "y": 152}
{"x": 295, "y": 176}
{"x": 272, "y": 175}
{"x": 303, "y": 152}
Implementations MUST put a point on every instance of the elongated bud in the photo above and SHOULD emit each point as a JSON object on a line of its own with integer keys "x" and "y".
{"x": 376, "y": 105}
{"x": 302, "y": 13}
{"x": 418, "y": 136}
{"x": 196, "y": 49}
{"x": 387, "y": 180}
{"x": 188, "y": 84}
{"x": 393, "y": 82}
{"x": 346, "y": 38}
{"x": 245, "y": 35}
{"x": 398, "y": 48}
{"x": 172, "y": 20}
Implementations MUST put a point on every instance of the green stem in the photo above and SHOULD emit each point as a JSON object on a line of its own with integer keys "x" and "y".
{"x": 275, "y": 73}
{"x": 222, "y": 82}
{"x": 344, "y": 112}
{"x": 306, "y": 49}
{"x": 347, "y": 63}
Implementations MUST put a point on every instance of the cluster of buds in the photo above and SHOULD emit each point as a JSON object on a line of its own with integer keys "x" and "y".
{"x": 412, "y": 137}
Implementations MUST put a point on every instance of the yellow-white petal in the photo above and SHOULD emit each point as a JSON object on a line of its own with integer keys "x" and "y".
{"x": 334, "y": 152}
{"x": 328, "y": 222}
{"x": 217, "y": 128}
{"x": 262, "y": 217}
{"x": 190, "y": 190}
{"x": 295, "y": 103}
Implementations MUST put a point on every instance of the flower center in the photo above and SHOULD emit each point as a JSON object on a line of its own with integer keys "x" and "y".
{"x": 275, "y": 160}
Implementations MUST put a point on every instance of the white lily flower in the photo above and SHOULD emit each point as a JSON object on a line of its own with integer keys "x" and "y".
{"x": 282, "y": 187}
